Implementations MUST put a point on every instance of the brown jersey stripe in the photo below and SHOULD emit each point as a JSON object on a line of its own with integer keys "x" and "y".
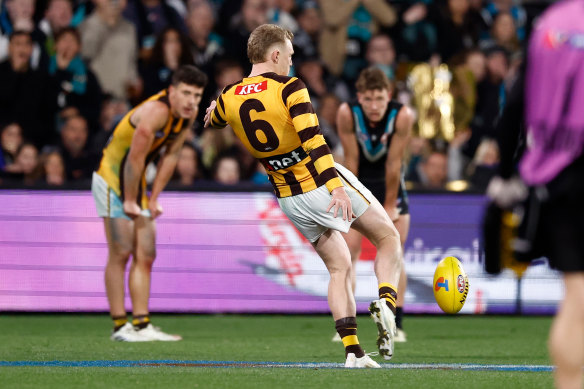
{"x": 275, "y": 77}
{"x": 328, "y": 174}
{"x": 221, "y": 103}
{"x": 294, "y": 86}
{"x": 320, "y": 151}
{"x": 293, "y": 183}
{"x": 308, "y": 133}
{"x": 230, "y": 86}
{"x": 122, "y": 167}
{"x": 276, "y": 190}
{"x": 164, "y": 99}
{"x": 312, "y": 170}
{"x": 215, "y": 124}
{"x": 300, "y": 109}
{"x": 220, "y": 119}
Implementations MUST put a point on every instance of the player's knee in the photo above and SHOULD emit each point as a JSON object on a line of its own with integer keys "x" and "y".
{"x": 340, "y": 268}
{"x": 120, "y": 251}
{"x": 388, "y": 241}
{"x": 147, "y": 255}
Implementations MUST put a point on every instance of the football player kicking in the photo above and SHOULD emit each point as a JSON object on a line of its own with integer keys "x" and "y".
{"x": 272, "y": 115}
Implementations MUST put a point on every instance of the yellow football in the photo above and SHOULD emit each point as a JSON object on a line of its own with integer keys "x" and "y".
{"x": 450, "y": 285}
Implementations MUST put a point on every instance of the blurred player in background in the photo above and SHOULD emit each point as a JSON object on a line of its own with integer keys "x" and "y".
{"x": 272, "y": 115}
{"x": 553, "y": 166}
{"x": 374, "y": 132}
{"x": 159, "y": 124}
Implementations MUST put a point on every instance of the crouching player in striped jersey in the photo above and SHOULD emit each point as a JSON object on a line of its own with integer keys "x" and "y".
{"x": 157, "y": 126}
{"x": 272, "y": 115}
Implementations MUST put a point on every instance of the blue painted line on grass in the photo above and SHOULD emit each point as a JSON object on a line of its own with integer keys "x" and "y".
{"x": 264, "y": 364}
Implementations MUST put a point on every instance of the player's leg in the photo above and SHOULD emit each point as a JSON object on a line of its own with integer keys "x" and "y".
{"x": 333, "y": 250}
{"x": 353, "y": 239}
{"x": 567, "y": 333}
{"x": 378, "y": 228}
{"x": 119, "y": 233}
{"x": 140, "y": 280}
{"x": 403, "y": 227}
{"x": 120, "y": 238}
{"x": 141, "y": 267}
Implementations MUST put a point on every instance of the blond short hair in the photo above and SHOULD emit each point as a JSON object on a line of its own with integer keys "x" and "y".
{"x": 263, "y": 38}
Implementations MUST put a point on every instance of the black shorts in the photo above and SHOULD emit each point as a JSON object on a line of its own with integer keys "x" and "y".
{"x": 561, "y": 224}
{"x": 377, "y": 187}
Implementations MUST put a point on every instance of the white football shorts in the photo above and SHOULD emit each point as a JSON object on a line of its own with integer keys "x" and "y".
{"x": 307, "y": 211}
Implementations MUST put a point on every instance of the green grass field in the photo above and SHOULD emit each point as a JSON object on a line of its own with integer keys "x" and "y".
{"x": 431, "y": 340}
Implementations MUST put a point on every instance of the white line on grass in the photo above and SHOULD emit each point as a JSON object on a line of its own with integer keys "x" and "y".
{"x": 264, "y": 364}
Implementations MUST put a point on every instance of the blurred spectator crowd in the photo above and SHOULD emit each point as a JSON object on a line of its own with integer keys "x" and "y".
{"x": 70, "y": 70}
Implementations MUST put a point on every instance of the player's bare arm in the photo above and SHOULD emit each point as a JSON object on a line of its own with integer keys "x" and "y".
{"x": 399, "y": 142}
{"x": 148, "y": 119}
{"x": 348, "y": 139}
{"x": 165, "y": 169}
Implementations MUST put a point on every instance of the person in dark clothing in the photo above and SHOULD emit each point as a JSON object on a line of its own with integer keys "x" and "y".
{"x": 458, "y": 29}
{"x": 252, "y": 14}
{"x": 79, "y": 161}
{"x": 150, "y": 17}
{"x": 491, "y": 95}
{"x": 170, "y": 51}
{"x": 76, "y": 84}
{"x": 26, "y": 94}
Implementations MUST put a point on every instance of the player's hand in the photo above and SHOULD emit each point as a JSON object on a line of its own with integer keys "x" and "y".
{"x": 341, "y": 201}
{"x": 393, "y": 213}
{"x": 155, "y": 208}
{"x": 208, "y": 112}
{"x": 131, "y": 209}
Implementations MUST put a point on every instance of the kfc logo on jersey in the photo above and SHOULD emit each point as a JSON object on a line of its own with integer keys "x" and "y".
{"x": 251, "y": 88}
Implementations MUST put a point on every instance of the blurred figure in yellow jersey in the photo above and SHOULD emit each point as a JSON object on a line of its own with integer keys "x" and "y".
{"x": 156, "y": 127}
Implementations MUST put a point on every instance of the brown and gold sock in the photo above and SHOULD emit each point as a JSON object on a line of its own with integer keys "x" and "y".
{"x": 141, "y": 321}
{"x": 119, "y": 322}
{"x": 388, "y": 292}
{"x": 347, "y": 329}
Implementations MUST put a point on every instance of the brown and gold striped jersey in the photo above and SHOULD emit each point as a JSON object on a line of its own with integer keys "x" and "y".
{"x": 273, "y": 116}
{"x": 115, "y": 153}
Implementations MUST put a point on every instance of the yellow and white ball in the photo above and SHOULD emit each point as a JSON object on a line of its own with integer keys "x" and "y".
{"x": 450, "y": 285}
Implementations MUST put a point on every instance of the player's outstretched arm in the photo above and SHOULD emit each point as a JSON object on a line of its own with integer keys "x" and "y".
{"x": 395, "y": 155}
{"x": 346, "y": 130}
{"x": 149, "y": 118}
